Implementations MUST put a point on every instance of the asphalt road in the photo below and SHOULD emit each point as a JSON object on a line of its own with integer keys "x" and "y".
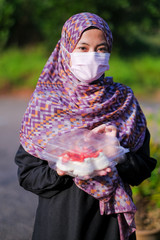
{"x": 17, "y": 206}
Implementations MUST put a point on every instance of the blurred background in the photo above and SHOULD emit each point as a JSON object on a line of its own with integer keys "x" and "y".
{"x": 29, "y": 31}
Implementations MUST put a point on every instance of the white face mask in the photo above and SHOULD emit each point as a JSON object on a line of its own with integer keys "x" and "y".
{"x": 89, "y": 66}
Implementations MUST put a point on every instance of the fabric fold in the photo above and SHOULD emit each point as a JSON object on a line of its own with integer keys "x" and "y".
{"x": 114, "y": 197}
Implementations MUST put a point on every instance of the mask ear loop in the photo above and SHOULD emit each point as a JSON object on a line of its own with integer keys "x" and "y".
{"x": 66, "y": 56}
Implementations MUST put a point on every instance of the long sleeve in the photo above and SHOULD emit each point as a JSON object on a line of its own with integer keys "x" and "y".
{"x": 139, "y": 165}
{"x": 36, "y": 176}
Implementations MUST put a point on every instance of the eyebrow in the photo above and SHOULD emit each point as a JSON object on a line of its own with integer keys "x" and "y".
{"x": 103, "y": 43}
{"x": 83, "y": 43}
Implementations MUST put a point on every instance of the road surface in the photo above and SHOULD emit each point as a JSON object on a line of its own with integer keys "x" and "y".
{"x": 17, "y": 206}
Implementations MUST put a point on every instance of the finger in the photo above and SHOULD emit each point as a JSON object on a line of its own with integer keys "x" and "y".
{"x": 60, "y": 172}
{"x": 99, "y": 129}
{"x": 111, "y": 130}
{"x": 108, "y": 170}
{"x": 103, "y": 172}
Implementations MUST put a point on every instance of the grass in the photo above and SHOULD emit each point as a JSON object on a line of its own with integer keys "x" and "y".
{"x": 141, "y": 73}
{"x": 22, "y": 67}
{"x": 153, "y": 121}
{"x": 150, "y": 188}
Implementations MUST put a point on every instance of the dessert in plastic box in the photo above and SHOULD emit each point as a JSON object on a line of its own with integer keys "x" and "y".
{"x": 81, "y": 154}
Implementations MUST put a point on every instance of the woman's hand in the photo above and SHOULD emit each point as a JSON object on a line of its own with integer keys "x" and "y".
{"x": 60, "y": 172}
{"x": 102, "y": 172}
{"x": 111, "y": 139}
{"x": 110, "y": 149}
{"x": 109, "y": 130}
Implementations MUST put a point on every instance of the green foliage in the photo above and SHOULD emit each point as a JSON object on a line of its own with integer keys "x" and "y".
{"x": 129, "y": 20}
{"x": 6, "y": 21}
{"x": 122, "y": 71}
{"x": 135, "y": 24}
{"x": 150, "y": 188}
{"x": 150, "y": 67}
{"x": 21, "y": 67}
{"x": 140, "y": 73}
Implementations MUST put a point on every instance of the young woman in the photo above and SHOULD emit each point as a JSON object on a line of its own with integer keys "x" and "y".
{"x": 73, "y": 93}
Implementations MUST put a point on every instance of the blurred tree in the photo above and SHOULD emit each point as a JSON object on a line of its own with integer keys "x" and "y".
{"x": 24, "y": 29}
{"x": 6, "y": 21}
{"x": 134, "y": 23}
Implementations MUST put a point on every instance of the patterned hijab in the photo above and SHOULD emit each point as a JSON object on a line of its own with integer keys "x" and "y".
{"x": 60, "y": 103}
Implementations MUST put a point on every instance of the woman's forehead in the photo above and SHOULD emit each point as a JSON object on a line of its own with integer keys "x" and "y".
{"x": 92, "y": 36}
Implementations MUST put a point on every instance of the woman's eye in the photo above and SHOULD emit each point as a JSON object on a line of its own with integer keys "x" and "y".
{"x": 83, "y": 49}
{"x": 102, "y": 49}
